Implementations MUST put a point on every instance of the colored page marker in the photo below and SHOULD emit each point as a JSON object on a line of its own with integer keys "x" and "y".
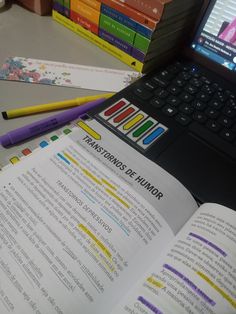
{"x": 14, "y": 160}
{"x": 89, "y": 130}
{"x": 114, "y": 108}
{"x": 133, "y": 122}
{"x": 155, "y": 134}
{"x": 123, "y": 115}
{"x": 143, "y": 128}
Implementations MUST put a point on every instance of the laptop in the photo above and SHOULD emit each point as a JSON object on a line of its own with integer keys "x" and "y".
{"x": 182, "y": 115}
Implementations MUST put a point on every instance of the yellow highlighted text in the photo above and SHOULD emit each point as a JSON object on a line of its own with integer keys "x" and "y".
{"x": 95, "y": 239}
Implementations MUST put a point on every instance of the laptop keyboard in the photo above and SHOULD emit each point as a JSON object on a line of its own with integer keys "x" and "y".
{"x": 195, "y": 101}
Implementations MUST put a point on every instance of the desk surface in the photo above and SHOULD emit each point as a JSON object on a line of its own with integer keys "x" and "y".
{"x": 26, "y": 34}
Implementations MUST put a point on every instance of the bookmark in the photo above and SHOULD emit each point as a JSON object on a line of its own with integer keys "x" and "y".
{"x": 66, "y": 74}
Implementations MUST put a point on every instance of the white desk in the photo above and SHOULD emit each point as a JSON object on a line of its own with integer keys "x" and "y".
{"x": 26, "y": 34}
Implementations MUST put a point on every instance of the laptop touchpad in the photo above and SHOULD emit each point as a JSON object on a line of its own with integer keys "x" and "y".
{"x": 208, "y": 175}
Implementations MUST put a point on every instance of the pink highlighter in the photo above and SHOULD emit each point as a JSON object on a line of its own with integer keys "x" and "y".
{"x": 229, "y": 34}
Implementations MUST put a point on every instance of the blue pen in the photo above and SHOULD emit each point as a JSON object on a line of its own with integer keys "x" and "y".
{"x": 44, "y": 125}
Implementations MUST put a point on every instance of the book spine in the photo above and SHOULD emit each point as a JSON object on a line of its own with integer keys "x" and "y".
{"x": 153, "y": 8}
{"x": 145, "y": 31}
{"x": 117, "y": 29}
{"x": 119, "y": 43}
{"x": 124, "y": 19}
{"x": 85, "y": 11}
{"x": 93, "y": 4}
{"x": 57, "y": 6}
{"x": 141, "y": 43}
{"x": 61, "y": 2}
{"x": 66, "y": 4}
{"x": 139, "y": 55}
{"x": 117, "y": 16}
{"x": 77, "y": 18}
{"x": 114, "y": 51}
{"x": 131, "y": 13}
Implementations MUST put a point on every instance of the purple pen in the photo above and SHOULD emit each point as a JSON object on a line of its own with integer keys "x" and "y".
{"x": 44, "y": 125}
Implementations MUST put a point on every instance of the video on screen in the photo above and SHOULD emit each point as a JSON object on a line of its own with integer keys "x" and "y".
{"x": 217, "y": 38}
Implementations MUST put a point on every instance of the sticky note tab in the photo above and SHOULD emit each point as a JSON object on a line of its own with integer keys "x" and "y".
{"x": 43, "y": 144}
{"x": 14, "y": 160}
{"x": 26, "y": 151}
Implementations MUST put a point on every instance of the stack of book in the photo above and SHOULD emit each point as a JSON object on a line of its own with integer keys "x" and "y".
{"x": 140, "y": 33}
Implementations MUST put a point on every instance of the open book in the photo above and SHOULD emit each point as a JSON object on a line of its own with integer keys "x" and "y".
{"x": 89, "y": 225}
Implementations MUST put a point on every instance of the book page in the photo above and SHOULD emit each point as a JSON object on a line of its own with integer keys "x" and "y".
{"x": 74, "y": 236}
{"x": 161, "y": 190}
{"x": 197, "y": 273}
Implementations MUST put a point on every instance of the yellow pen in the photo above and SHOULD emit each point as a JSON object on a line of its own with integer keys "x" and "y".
{"x": 25, "y": 111}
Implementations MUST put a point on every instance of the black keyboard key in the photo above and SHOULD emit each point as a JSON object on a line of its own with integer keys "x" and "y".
{"x": 160, "y": 81}
{"x": 231, "y": 103}
{"x": 179, "y": 82}
{"x": 221, "y": 95}
{"x": 196, "y": 82}
{"x": 225, "y": 121}
{"x": 174, "y": 90}
{"x": 169, "y": 111}
{"x": 157, "y": 102}
{"x": 228, "y": 135}
{"x": 167, "y": 75}
{"x": 212, "y": 113}
{"x": 186, "y": 108}
{"x": 206, "y": 80}
{"x": 199, "y": 117}
{"x": 186, "y": 76}
{"x": 216, "y": 103}
{"x": 208, "y": 89}
{"x": 162, "y": 93}
{"x": 149, "y": 85}
{"x": 213, "y": 139}
{"x": 203, "y": 96}
{"x": 183, "y": 119}
{"x": 142, "y": 93}
{"x": 191, "y": 89}
{"x": 229, "y": 111}
{"x": 199, "y": 105}
{"x": 186, "y": 97}
{"x": 173, "y": 100}
{"x": 214, "y": 126}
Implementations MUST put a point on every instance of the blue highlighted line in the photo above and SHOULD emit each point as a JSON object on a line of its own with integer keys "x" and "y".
{"x": 115, "y": 221}
{"x": 89, "y": 197}
{"x": 63, "y": 158}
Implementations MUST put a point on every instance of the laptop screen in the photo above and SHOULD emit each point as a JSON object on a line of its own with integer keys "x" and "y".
{"x": 216, "y": 35}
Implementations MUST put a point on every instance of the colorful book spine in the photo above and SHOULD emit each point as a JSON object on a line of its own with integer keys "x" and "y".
{"x": 119, "y": 43}
{"x": 79, "y": 19}
{"x": 86, "y": 11}
{"x": 153, "y": 8}
{"x": 101, "y": 43}
{"x": 58, "y": 6}
{"x": 142, "y": 43}
{"x": 117, "y": 29}
{"x": 66, "y": 5}
{"x": 145, "y": 31}
{"x": 93, "y": 4}
{"x": 139, "y": 55}
{"x": 127, "y": 21}
{"x": 132, "y": 13}
{"x": 119, "y": 17}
